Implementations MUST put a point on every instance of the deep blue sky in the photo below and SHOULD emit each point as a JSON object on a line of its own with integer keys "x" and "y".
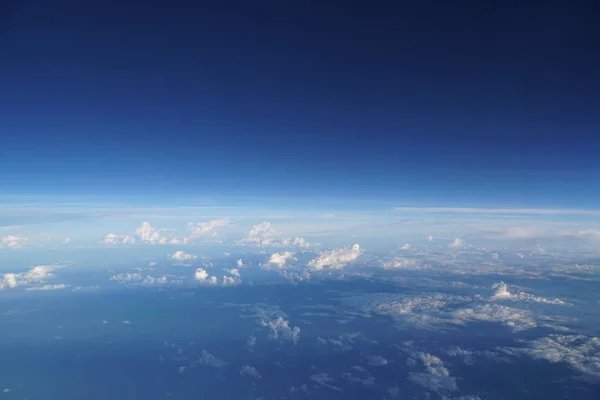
{"x": 418, "y": 102}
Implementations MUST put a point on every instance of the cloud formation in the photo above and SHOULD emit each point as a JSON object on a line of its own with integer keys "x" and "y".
{"x": 12, "y": 242}
{"x": 336, "y": 258}
{"x": 181, "y": 256}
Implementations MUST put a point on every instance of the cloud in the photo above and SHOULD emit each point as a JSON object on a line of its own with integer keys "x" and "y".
{"x": 230, "y": 281}
{"x": 182, "y": 256}
{"x": 251, "y": 342}
{"x": 210, "y": 360}
{"x": 202, "y": 276}
{"x": 279, "y": 259}
{"x": 233, "y": 272}
{"x": 112, "y": 239}
{"x": 359, "y": 375}
{"x": 59, "y": 286}
{"x": 250, "y": 371}
{"x": 405, "y": 246}
{"x": 240, "y": 263}
{"x": 324, "y": 380}
{"x": 516, "y": 319}
{"x": 264, "y": 235}
{"x": 436, "y": 376}
{"x": 401, "y": 263}
{"x": 139, "y": 279}
{"x": 579, "y": 352}
{"x": 12, "y": 242}
{"x": 36, "y": 274}
{"x": 282, "y": 330}
{"x": 515, "y": 211}
{"x": 376, "y": 361}
{"x": 456, "y": 243}
{"x": 198, "y": 229}
{"x": 501, "y": 293}
{"x": 336, "y": 258}
{"x": 150, "y": 235}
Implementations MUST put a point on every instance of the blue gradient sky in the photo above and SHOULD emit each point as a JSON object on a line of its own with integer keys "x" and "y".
{"x": 310, "y": 103}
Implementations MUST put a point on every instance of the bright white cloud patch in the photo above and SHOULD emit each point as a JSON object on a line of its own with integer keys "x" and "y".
{"x": 405, "y": 246}
{"x": 150, "y": 235}
{"x": 182, "y": 256}
{"x": 202, "y": 276}
{"x": 280, "y": 329}
{"x": 501, "y": 293}
{"x": 34, "y": 275}
{"x": 198, "y": 229}
{"x": 112, "y": 239}
{"x": 581, "y": 353}
{"x": 435, "y": 377}
{"x": 336, "y": 258}
{"x": 456, "y": 243}
{"x": 264, "y": 235}
{"x": 280, "y": 259}
{"x": 12, "y": 242}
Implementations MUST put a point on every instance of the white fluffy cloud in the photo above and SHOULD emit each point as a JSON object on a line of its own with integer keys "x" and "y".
{"x": 12, "y": 242}
{"x": 112, "y": 239}
{"x": 323, "y": 379}
{"x": 456, "y": 243}
{"x": 202, "y": 276}
{"x": 514, "y": 318}
{"x": 280, "y": 329}
{"x": 581, "y": 353}
{"x": 250, "y": 371}
{"x": 150, "y": 235}
{"x": 336, "y": 258}
{"x": 501, "y": 293}
{"x": 405, "y": 246}
{"x": 35, "y": 275}
{"x": 202, "y": 228}
{"x": 280, "y": 259}
{"x": 182, "y": 256}
{"x": 264, "y": 235}
{"x": 436, "y": 376}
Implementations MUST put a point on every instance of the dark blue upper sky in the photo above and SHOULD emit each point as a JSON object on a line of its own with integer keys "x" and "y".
{"x": 416, "y": 102}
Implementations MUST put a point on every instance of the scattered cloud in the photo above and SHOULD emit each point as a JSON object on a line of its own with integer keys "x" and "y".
{"x": 280, "y": 329}
{"x": 376, "y": 361}
{"x": 198, "y": 229}
{"x": 112, "y": 239}
{"x": 181, "y": 256}
{"x": 280, "y": 259}
{"x": 59, "y": 286}
{"x": 35, "y": 275}
{"x": 250, "y": 371}
{"x": 501, "y": 293}
{"x": 336, "y": 258}
{"x": 150, "y": 235}
{"x": 209, "y": 360}
{"x": 264, "y": 235}
{"x": 514, "y": 211}
{"x": 456, "y": 243}
{"x": 405, "y": 246}
{"x": 581, "y": 353}
{"x": 12, "y": 242}
{"x": 435, "y": 377}
{"x": 202, "y": 276}
{"x": 324, "y": 380}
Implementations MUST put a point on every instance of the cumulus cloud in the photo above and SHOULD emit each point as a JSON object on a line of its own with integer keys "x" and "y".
{"x": 280, "y": 329}
{"x": 198, "y": 229}
{"x": 376, "y": 361}
{"x": 501, "y": 293}
{"x": 456, "y": 243}
{"x": 405, "y": 246}
{"x": 250, "y": 371}
{"x": 209, "y": 360}
{"x": 240, "y": 263}
{"x": 359, "y": 375}
{"x": 150, "y": 235}
{"x": 36, "y": 274}
{"x": 336, "y": 258}
{"x": 516, "y": 319}
{"x": 181, "y": 256}
{"x": 579, "y": 352}
{"x": 233, "y": 272}
{"x": 12, "y": 242}
{"x": 112, "y": 239}
{"x": 264, "y": 235}
{"x": 435, "y": 377}
{"x": 401, "y": 263}
{"x": 279, "y": 259}
{"x": 202, "y": 276}
{"x": 230, "y": 281}
{"x": 251, "y": 342}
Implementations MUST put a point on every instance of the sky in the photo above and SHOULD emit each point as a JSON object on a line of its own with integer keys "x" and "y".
{"x": 303, "y": 104}
{"x": 299, "y": 199}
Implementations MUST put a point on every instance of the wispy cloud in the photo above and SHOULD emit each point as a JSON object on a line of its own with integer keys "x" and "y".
{"x": 513, "y": 211}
